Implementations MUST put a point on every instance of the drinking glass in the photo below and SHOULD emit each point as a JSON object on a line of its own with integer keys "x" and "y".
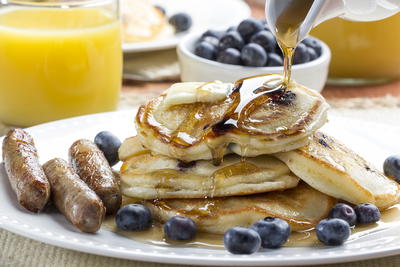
{"x": 58, "y": 59}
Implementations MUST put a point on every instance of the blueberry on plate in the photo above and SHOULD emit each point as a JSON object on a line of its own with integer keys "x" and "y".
{"x": 109, "y": 145}
{"x": 133, "y": 217}
{"x": 181, "y": 21}
{"x": 249, "y": 27}
{"x": 301, "y": 54}
{"x": 333, "y": 232}
{"x": 231, "y": 39}
{"x": 367, "y": 213}
{"x": 314, "y": 44}
{"x": 229, "y": 56}
{"x": 253, "y": 55}
{"x": 180, "y": 228}
{"x": 205, "y": 50}
{"x": 212, "y": 33}
{"x": 274, "y": 60}
{"x": 391, "y": 167}
{"x": 241, "y": 240}
{"x": 344, "y": 212}
{"x": 274, "y": 232}
{"x": 266, "y": 39}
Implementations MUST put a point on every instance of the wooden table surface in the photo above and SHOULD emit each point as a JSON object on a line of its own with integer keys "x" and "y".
{"x": 392, "y": 88}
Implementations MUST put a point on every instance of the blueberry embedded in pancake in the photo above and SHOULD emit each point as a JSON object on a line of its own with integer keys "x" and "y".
{"x": 251, "y": 122}
{"x": 332, "y": 168}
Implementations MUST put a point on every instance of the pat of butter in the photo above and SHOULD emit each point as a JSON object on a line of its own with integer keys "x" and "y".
{"x": 192, "y": 92}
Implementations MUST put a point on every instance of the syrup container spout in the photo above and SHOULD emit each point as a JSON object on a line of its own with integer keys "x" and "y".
{"x": 318, "y": 11}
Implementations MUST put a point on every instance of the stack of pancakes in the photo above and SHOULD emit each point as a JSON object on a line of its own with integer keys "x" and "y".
{"x": 275, "y": 162}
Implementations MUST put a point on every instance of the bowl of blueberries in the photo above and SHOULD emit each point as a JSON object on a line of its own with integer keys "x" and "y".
{"x": 250, "y": 49}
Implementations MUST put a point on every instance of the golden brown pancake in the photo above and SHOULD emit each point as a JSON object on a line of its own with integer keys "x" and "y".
{"x": 270, "y": 123}
{"x": 302, "y": 207}
{"x": 334, "y": 169}
{"x": 149, "y": 176}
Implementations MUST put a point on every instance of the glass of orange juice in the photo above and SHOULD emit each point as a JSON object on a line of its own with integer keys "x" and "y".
{"x": 58, "y": 59}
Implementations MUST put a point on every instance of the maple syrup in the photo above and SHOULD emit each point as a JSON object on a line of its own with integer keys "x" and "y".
{"x": 168, "y": 176}
{"x": 286, "y": 17}
{"x": 307, "y": 238}
{"x": 250, "y": 93}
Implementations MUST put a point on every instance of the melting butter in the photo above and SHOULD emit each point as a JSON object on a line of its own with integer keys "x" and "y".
{"x": 193, "y": 92}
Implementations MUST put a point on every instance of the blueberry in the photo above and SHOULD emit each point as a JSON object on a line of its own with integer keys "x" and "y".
{"x": 241, "y": 240}
{"x": 231, "y": 39}
{"x": 344, "y": 212}
{"x": 212, "y": 33}
{"x": 274, "y": 232}
{"x": 229, "y": 56}
{"x": 266, "y": 27}
{"x": 391, "y": 167}
{"x": 109, "y": 145}
{"x": 249, "y": 27}
{"x": 311, "y": 52}
{"x": 211, "y": 40}
{"x": 266, "y": 39}
{"x": 253, "y": 55}
{"x": 367, "y": 213}
{"x": 181, "y": 21}
{"x": 162, "y": 9}
{"x": 314, "y": 44}
{"x": 263, "y": 21}
{"x": 231, "y": 28}
{"x": 205, "y": 50}
{"x": 274, "y": 60}
{"x": 300, "y": 55}
{"x": 333, "y": 232}
{"x": 133, "y": 217}
{"x": 180, "y": 228}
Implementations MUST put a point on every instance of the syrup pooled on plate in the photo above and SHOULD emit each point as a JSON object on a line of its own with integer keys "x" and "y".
{"x": 307, "y": 238}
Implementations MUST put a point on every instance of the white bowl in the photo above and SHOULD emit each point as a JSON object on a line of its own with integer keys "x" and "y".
{"x": 312, "y": 74}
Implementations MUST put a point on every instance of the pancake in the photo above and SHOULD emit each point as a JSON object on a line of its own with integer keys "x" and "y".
{"x": 332, "y": 168}
{"x": 302, "y": 207}
{"x": 141, "y": 21}
{"x": 149, "y": 176}
{"x": 249, "y": 120}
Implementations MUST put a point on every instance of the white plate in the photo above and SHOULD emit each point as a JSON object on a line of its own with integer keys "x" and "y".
{"x": 373, "y": 141}
{"x": 206, "y": 14}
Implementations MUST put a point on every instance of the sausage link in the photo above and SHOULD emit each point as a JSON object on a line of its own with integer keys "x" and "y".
{"x": 91, "y": 165}
{"x": 73, "y": 198}
{"x": 24, "y": 171}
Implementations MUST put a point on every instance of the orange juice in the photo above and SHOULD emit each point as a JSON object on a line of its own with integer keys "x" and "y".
{"x": 57, "y": 63}
{"x": 363, "y": 50}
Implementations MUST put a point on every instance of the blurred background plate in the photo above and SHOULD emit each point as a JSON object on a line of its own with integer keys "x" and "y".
{"x": 206, "y": 14}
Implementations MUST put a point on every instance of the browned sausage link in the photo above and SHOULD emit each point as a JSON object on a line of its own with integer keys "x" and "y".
{"x": 82, "y": 207}
{"x": 24, "y": 171}
{"x": 91, "y": 165}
